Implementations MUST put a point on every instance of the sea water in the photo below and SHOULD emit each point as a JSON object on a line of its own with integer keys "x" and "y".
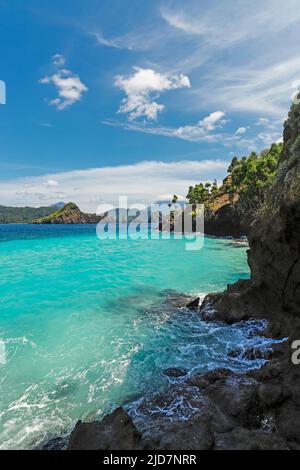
{"x": 86, "y": 324}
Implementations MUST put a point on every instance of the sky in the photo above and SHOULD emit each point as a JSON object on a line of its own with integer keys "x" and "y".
{"x": 136, "y": 97}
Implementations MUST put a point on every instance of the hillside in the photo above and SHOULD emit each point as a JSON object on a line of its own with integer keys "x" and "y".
{"x": 69, "y": 214}
{"x": 24, "y": 215}
{"x": 231, "y": 208}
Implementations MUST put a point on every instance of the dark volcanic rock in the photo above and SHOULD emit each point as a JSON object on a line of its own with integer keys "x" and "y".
{"x": 115, "y": 432}
{"x": 175, "y": 372}
{"x": 194, "y": 434}
{"x": 252, "y": 353}
{"x": 193, "y": 304}
{"x": 274, "y": 255}
{"x": 57, "y": 443}
{"x": 288, "y": 421}
{"x": 273, "y": 292}
{"x": 245, "y": 439}
{"x": 226, "y": 221}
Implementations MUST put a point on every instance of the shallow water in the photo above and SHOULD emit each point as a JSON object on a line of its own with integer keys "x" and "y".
{"x": 86, "y": 324}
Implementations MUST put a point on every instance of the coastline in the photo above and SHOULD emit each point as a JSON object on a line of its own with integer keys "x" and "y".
{"x": 259, "y": 409}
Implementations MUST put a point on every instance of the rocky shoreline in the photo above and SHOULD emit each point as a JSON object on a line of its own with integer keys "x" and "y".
{"x": 216, "y": 410}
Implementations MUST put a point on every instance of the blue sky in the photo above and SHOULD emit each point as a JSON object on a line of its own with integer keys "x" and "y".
{"x": 138, "y": 97}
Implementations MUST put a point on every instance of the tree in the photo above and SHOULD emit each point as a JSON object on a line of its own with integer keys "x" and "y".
{"x": 246, "y": 184}
{"x": 233, "y": 163}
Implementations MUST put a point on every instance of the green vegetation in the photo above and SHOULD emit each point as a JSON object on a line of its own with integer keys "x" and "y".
{"x": 68, "y": 207}
{"x": 202, "y": 193}
{"x": 23, "y": 215}
{"x": 245, "y": 186}
{"x": 251, "y": 176}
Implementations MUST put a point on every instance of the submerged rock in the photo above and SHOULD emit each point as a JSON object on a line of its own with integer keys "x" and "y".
{"x": 175, "y": 372}
{"x": 252, "y": 354}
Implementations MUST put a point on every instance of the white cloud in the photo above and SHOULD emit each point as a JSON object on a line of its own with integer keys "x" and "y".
{"x": 210, "y": 131}
{"x": 102, "y": 41}
{"x": 169, "y": 197}
{"x": 201, "y": 130}
{"x": 142, "y": 182}
{"x": 266, "y": 18}
{"x": 223, "y": 61}
{"x": 69, "y": 87}
{"x": 58, "y": 59}
{"x": 271, "y": 131}
{"x": 51, "y": 183}
{"x": 263, "y": 121}
{"x": 143, "y": 87}
{"x": 209, "y": 122}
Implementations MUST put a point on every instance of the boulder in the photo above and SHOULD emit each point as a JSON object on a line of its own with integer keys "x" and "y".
{"x": 115, "y": 432}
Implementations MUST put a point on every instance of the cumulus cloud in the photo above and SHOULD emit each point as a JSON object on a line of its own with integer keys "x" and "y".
{"x": 241, "y": 130}
{"x": 142, "y": 183}
{"x": 143, "y": 87}
{"x": 69, "y": 87}
{"x": 201, "y": 130}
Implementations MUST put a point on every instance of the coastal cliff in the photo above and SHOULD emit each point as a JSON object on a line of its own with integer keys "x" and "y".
{"x": 274, "y": 239}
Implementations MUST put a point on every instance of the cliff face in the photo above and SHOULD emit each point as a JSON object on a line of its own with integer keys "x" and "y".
{"x": 224, "y": 222}
{"x": 223, "y": 219}
{"x": 274, "y": 256}
{"x": 69, "y": 214}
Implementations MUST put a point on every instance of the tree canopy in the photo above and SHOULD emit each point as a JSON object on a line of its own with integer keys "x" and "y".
{"x": 248, "y": 179}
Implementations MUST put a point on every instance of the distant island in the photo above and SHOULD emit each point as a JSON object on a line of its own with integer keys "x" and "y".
{"x": 69, "y": 214}
{"x": 230, "y": 208}
{"x": 26, "y": 215}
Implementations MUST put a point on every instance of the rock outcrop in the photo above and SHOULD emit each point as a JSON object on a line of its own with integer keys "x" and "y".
{"x": 222, "y": 218}
{"x": 274, "y": 256}
{"x": 273, "y": 292}
{"x": 115, "y": 432}
{"x": 69, "y": 214}
{"x": 225, "y": 221}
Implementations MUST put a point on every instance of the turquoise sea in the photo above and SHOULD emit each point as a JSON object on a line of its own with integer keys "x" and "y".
{"x": 86, "y": 324}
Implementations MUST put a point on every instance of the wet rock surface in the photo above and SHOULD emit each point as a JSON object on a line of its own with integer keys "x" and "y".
{"x": 213, "y": 411}
{"x": 193, "y": 304}
{"x": 175, "y": 372}
{"x": 115, "y": 432}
